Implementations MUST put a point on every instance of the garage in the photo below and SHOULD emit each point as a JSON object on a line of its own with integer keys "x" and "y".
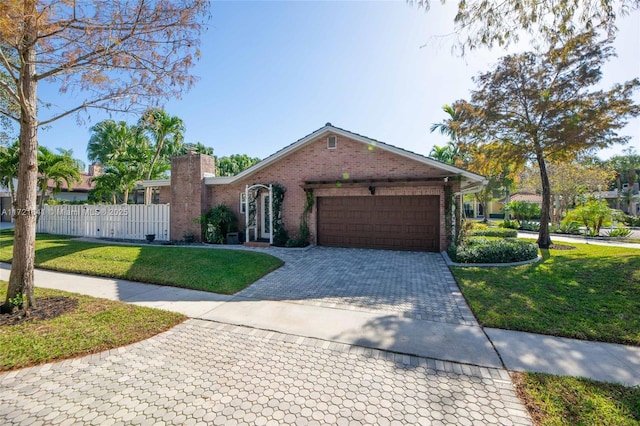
{"x": 380, "y": 222}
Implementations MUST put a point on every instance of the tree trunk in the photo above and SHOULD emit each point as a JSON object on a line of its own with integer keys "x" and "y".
{"x": 21, "y": 280}
{"x": 507, "y": 200}
{"x": 147, "y": 191}
{"x": 544, "y": 239}
{"x": 619, "y": 185}
{"x": 126, "y": 196}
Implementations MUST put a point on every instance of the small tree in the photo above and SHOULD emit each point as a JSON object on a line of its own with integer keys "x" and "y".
{"x": 593, "y": 215}
{"x": 523, "y": 211}
{"x": 55, "y": 169}
{"x": 540, "y": 107}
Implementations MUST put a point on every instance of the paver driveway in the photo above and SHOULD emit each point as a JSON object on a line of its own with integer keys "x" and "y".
{"x": 207, "y": 373}
{"x": 412, "y": 284}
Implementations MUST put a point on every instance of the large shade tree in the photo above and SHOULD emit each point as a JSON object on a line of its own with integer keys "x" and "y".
{"x": 569, "y": 181}
{"x": 109, "y": 54}
{"x": 234, "y": 164}
{"x": 543, "y": 107}
{"x": 502, "y": 22}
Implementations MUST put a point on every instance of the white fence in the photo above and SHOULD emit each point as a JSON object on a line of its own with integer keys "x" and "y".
{"x": 126, "y": 221}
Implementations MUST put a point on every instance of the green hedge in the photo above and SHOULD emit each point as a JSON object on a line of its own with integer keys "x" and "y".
{"x": 494, "y": 232}
{"x": 493, "y": 251}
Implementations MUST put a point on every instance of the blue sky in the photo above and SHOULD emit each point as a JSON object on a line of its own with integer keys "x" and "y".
{"x": 272, "y": 72}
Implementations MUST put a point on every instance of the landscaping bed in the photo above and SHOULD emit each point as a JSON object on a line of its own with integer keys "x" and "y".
{"x": 590, "y": 292}
{"x": 217, "y": 271}
{"x": 65, "y": 325}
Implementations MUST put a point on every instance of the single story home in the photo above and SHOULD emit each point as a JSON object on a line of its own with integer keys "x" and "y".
{"x": 78, "y": 192}
{"x": 365, "y": 193}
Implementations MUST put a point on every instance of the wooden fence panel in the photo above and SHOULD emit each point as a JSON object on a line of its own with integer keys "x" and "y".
{"x": 126, "y": 221}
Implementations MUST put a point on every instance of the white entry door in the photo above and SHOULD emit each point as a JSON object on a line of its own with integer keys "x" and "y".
{"x": 265, "y": 222}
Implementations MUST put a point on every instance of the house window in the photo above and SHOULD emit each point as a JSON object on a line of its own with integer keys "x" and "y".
{"x": 243, "y": 203}
{"x": 332, "y": 142}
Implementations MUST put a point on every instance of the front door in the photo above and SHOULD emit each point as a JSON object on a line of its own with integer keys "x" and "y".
{"x": 265, "y": 217}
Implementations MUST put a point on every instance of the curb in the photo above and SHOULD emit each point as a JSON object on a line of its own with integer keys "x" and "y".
{"x": 449, "y": 262}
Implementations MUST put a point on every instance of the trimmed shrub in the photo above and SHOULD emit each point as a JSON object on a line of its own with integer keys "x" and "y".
{"x": 479, "y": 226}
{"x": 509, "y": 224}
{"x": 529, "y": 226}
{"x": 494, "y": 232}
{"x": 619, "y": 233}
{"x": 494, "y": 251}
{"x": 572, "y": 228}
{"x": 630, "y": 220}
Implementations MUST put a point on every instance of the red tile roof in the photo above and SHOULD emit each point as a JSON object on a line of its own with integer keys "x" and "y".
{"x": 525, "y": 196}
{"x": 85, "y": 185}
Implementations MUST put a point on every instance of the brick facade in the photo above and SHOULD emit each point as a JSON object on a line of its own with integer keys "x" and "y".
{"x": 350, "y": 160}
{"x": 188, "y": 194}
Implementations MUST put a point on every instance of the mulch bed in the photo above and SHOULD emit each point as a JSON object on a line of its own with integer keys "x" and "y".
{"x": 46, "y": 308}
{"x": 561, "y": 247}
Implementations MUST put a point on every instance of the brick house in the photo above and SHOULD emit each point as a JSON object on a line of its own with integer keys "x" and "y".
{"x": 366, "y": 193}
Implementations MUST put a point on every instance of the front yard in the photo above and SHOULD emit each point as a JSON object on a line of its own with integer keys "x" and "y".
{"x": 84, "y": 325}
{"x": 589, "y": 292}
{"x": 217, "y": 271}
{"x": 556, "y": 400}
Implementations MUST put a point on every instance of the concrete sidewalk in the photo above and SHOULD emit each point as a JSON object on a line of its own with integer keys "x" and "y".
{"x": 448, "y": 342}
{"x": 581, "y": 239}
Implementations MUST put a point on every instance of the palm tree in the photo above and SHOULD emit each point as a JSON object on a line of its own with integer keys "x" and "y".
{"x": 57, "y": 168}
{"x": 628, "y": 197}
{"x": 449, "y": 126}
{"x": 446, "y": 154}
{"x": 451, "y": 153}
{"x": 167, "y": 133}
{"x": 110, "y": 141}
{"x": 125, "y": 154}
{"x": 9, "y": 158}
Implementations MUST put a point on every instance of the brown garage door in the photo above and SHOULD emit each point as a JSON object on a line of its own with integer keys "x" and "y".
{"x": 396, "y": 223}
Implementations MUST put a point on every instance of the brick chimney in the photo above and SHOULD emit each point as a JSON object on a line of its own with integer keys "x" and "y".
{"x": 95, "y": 169}
{"x": 188, "y": 193}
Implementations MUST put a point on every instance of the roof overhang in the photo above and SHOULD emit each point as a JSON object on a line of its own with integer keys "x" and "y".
{"x": 154, "y": 183}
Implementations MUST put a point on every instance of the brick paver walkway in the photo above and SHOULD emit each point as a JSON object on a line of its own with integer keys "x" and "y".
{"x": 413, "y": 284}
{"x": 208, "y": 373}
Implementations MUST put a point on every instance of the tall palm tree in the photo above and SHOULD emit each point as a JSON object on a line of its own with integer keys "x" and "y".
{"x": 125, "y": 154}
{"x": 9, "y": 158}
{"x": 167, "y": 133}
{"x": 110, "y": 141}
{"x": 449, "y": 126}
{"x": 57, "y": 168}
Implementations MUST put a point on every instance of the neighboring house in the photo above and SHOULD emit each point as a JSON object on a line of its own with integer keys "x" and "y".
{"x": 80, "y": 190}
{"x": 366, "y": 193}
{"x": 616, "y": 199}
{"x": 473, "y": 209}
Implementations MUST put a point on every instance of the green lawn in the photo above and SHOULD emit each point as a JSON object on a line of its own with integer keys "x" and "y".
{"x": 555, "y": 400}
{"x": 95, "y": 325}
{"x": 591, "y": 293}
{"x": 218, "y": 271}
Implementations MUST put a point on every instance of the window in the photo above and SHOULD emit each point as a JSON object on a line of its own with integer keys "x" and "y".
{"x": 242, "y": 203}
{"x": 332, "y": 142}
